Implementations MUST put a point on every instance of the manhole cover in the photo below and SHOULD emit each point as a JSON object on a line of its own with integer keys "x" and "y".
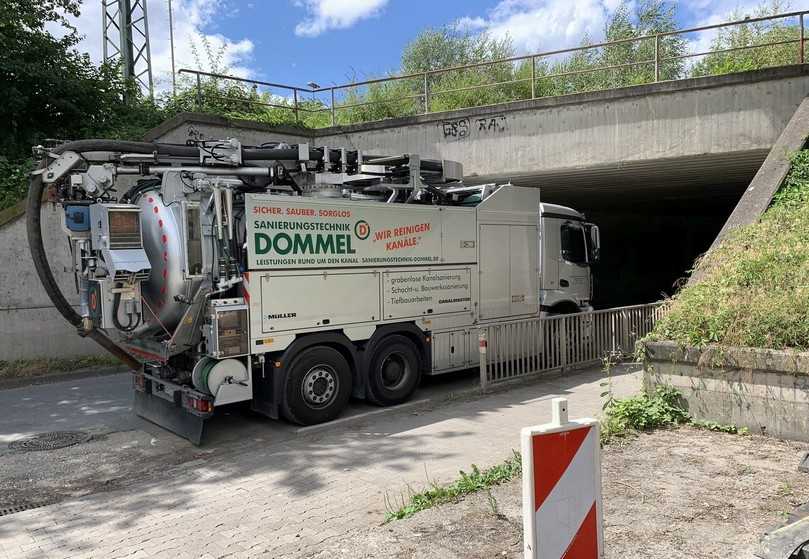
{"x": 49, "y": 441}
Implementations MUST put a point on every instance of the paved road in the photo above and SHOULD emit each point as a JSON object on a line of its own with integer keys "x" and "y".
{"x": 100, "y": 403}
{"x": 265, "y": 489}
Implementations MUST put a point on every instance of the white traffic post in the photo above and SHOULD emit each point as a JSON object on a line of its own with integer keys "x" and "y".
{"x": 561, "y": 491}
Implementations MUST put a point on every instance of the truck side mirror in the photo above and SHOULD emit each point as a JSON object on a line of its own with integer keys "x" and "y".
{"x": 595, "y": 242}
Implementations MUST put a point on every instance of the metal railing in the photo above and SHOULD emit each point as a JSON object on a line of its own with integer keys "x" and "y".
{"x": 349, "y": 96}
{"x": 514, "y": 349}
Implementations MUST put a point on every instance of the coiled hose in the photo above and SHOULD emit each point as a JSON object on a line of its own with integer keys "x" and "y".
{"x": 35, "y": 243}
{"x": 34, "y": 225}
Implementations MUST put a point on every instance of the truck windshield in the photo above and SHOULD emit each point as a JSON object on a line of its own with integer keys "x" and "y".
{"x": 573, "y": 247}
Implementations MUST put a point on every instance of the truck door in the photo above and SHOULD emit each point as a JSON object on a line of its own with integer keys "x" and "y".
{"x": 509, "y": 276}
{"x": 574, "y": 269}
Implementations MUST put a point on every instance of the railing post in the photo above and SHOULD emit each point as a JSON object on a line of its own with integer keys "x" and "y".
{"x": 657, "y": 58}
{"x": 533, "y": 78}
{"x": 482, "y": 347}
{"x": 199, "y": 93}
{"x": 295, "y": 103}
{"x": 426, "y": 93}
{"x": 803, "y": 40}
{"x": 333, "y": 115}
{"x": 563, "y": 342}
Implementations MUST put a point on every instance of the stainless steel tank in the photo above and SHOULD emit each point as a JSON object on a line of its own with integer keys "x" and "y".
{"x": 164, "y": 242}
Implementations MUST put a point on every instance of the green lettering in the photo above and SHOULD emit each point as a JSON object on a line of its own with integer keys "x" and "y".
{"x": 302, "y": 244}
{"x": 263, "y": 243}
{"x": 279, "y": 238}
{"x": 324, "y": 244}
{"x": 349, "y": 250}
{"x": 341, "y": 244}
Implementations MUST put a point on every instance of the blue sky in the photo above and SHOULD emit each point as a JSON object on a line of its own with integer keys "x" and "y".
{"x": 331, "y": 41}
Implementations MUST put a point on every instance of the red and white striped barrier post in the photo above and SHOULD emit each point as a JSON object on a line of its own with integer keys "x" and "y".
{"x": 561, "y": 473}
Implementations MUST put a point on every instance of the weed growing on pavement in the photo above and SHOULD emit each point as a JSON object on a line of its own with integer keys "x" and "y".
{"x": 471, "y": 482}
{"x": 719, "y": 427}
{"x": 645, "y": 412}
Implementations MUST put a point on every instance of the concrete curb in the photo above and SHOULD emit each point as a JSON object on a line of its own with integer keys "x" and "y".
{"x": 62, "y": 376}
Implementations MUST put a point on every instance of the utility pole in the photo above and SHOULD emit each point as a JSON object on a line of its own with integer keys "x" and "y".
{"x": 126, "y": 40}
{"x": 171, "y": 39}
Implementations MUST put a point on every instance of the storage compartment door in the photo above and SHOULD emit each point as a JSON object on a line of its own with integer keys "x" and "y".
{"x": 317, "y": 300}
{"x": 524, "y": 276}
{"x": 495, "y": 286}
{"x": 450, "y": 350}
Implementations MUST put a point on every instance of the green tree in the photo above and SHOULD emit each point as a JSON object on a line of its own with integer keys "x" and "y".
{"x": 752, "y": 44}
{"x": 625, "y": 63}
{"x": 49, "y": 90}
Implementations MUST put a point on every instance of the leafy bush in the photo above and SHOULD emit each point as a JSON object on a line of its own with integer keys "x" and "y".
{"x": 13, "y": 181}
{"x": 753, "y": 290}
{"x": 643, "y": 413}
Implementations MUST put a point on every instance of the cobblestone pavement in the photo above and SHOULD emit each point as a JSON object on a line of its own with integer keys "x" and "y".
{"x": 291, "y": 498}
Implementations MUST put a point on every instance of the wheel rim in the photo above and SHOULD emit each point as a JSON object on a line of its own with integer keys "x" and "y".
{"x": 320, "y": 385}
{"x": 394, "y": 370}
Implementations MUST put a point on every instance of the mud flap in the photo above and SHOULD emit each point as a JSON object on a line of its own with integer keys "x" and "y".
{"x": 169, "y": 416}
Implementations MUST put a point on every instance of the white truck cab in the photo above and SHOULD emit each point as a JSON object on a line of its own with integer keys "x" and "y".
{"x": 570, "y": 247}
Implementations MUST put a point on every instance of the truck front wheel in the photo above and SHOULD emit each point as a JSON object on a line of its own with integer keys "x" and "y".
{"x": 394, "y": 371}
{"x": 317, "y": 387}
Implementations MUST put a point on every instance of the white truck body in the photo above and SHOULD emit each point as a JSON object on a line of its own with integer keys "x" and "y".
{"x": 295, "y": 278}
{"x": 321, "y": 264}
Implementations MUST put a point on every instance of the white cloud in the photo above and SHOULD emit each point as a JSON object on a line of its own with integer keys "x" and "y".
{"x": 543, "y": 25}
{"x": 323, "y": 15}
{"x": 191, "y": 21}
{"x": 539, "y": 25}
{"x": 711, "y": 12}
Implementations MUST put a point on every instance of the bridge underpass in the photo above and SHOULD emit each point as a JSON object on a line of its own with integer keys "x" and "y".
{"x": 658, "y": 167}
{"x": 655, "y": 217}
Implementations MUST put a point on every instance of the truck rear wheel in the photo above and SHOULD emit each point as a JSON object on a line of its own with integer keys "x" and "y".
{"x": 318, "y": 386}
{"x": 394, "y": 371}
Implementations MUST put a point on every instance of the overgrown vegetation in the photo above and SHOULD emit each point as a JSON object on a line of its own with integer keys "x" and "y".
{"x": 753, "y": 290}
{"x": 467, "y": 483}
{"x": 643, "y": 412}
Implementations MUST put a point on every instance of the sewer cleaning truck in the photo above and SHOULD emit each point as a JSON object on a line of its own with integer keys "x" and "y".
{"x": 294, "y": 277}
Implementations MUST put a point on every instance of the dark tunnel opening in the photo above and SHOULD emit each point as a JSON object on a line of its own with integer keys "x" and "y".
{"x": 654, "y": 224}
{"x": 649, "y": 244}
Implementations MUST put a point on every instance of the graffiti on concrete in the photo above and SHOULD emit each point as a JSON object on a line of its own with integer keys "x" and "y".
{"x": 464, "y": 128}
{"x": 455, "y": 129}
{"x": 195, "y": 134}
{"x": 491, "y": 124}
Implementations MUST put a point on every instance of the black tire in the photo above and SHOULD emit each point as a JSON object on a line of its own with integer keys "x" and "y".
{"x": 394, "y": 371}
{"x": 317, "y": 386}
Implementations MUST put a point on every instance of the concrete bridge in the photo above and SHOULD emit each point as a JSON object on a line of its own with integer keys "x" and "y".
{"x": 659, "y": 167}
{"x": 675, "y": 139}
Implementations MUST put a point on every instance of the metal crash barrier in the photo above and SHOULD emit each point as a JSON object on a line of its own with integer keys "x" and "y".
{"x": 509, "y": 350}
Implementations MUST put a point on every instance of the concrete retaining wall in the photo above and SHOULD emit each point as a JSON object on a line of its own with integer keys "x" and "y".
{"x": 766, "y": 391}
{"x": 30, "y": 327}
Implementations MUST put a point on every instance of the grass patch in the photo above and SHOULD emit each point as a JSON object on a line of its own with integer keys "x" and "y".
{"x": 23, "y": 368}
{"x": 753, "y": 291}
{"x": 471, "y": 482}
